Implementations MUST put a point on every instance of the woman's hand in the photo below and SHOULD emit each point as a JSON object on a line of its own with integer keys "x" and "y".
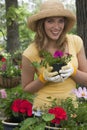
{"x": 48, "y": 75}
{"x": 67, "y": 71}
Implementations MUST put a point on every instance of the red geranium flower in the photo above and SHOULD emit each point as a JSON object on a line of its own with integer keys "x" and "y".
{"x": 60, "y": 114}
{"x": 3, "y": 59}
{"x": 22, "y": 106}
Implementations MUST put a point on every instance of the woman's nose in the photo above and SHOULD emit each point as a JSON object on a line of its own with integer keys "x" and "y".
{"x": 56, "y": 25}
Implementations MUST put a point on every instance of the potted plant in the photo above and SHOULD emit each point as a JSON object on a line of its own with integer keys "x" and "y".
{"x": 68, "y": 115}
{"x": 16, "y": 106}
{"x": 81, "y": 96}
{"x": 58, "y": 60}
{"x": 46, "y": 120}
{"x": 9, "y": 71}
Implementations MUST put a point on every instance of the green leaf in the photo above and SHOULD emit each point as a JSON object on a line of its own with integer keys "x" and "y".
{"x": 36, "y": 64}
{"x": 41, "y": 126}
{"x": 28, "y": 122}
{"x": 48, "y": 117}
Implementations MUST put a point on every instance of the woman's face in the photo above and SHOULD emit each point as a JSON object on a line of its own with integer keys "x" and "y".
{"x": 54, "y": 27}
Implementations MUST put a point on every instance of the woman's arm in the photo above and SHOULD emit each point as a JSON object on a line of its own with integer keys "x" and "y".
{"x": 81, "y": 74}
{"x": 28, "y": 82}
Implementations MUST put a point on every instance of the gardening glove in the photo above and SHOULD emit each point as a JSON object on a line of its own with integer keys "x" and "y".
{"x": 48, "y": 75}
{"x": 67, "y": 71}
{"x": 57, "y": 78}
{"x": 51, "y": 76}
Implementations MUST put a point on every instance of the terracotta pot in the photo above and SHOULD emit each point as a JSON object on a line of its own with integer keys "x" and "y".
{"x": 9, "y": 82}
{"x": 9, "y": 126}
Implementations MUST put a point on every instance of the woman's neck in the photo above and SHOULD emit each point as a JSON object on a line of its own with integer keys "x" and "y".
{"x": 52, "y": 47}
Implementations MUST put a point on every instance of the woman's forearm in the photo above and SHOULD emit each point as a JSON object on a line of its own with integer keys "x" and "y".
{"x": 80, "y": 77}
{"x": 34, "y": 86}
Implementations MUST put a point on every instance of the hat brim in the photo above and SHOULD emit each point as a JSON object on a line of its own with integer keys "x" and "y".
{"x": 49, "y": 13}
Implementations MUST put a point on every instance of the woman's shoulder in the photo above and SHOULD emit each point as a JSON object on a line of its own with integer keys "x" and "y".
{"x": 31, "y": 46}
{"x": 76, "y": 41}
{"x": 74, "y": 37}
{"x": 31, "y": 50}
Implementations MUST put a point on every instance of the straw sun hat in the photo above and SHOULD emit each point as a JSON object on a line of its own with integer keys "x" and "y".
{"x": 52, "y": 8}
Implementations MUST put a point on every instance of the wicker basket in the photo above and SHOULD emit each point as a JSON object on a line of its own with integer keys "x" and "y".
{"x": 9, "y": 82}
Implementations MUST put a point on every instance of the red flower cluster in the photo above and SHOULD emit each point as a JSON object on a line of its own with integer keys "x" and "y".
{"x": 60, "y": 114}
{"x": 3, "y": 59}
{"x": 22, "y": 106}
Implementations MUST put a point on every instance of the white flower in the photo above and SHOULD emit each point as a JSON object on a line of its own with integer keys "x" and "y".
{"x": 81, "y": 92}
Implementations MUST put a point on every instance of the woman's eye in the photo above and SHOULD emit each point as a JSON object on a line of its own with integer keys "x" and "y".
{"x": 61, "y": 20}
{"x": 49, "y": 21}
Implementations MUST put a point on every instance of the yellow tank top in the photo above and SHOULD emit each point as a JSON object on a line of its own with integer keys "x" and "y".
{"x": 53, "y": 90}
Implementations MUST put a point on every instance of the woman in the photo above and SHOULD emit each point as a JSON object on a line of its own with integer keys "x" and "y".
{"x": 51, "y": 25}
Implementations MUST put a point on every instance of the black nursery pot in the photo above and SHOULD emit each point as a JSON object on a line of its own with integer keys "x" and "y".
{"x": 15, "y": 119}
{"x": 13, "y": 122}
{"x": 53, "y": 127}
{"x": 9, "y": 125}
{"x": 57, "y": 66}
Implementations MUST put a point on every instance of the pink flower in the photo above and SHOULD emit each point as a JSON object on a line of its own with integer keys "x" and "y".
{"x": 58, "y": 54}
{"x": 3, "y": 93}
{"x": 3, "y": 67}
